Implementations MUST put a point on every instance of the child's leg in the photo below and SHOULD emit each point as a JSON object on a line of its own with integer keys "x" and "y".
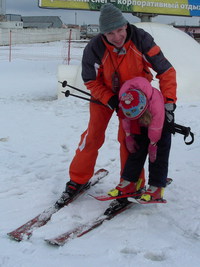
{"x": 158, "y": 170}
{"x": 135, "y": 161}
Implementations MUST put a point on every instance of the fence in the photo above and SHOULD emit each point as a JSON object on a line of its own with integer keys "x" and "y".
{"x": 28, "y": 36}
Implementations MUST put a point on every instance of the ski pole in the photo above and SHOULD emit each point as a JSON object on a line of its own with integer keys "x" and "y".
{"x": 64, "y": 84}
{"x": 67, "y": 94}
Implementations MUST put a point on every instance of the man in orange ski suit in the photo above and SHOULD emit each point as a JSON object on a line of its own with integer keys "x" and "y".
{"x": 120, "y": 52}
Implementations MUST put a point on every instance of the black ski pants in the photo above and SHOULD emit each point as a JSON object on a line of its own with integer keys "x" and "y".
{"x": 158, "y": 170}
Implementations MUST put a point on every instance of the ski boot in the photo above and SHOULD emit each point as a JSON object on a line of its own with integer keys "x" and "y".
{"x": 72, "y": 190}
{"x": 153, "y": 193}
{"x": 126, "y": 187}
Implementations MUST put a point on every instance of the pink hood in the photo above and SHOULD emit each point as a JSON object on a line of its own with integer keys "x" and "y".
{"x": 155, "y": 105}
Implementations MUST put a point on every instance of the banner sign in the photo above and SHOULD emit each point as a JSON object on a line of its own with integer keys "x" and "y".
{"x": 164, "y": 7}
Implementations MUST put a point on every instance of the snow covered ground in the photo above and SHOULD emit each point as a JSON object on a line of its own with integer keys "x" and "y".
{"x": 38, "y": 137}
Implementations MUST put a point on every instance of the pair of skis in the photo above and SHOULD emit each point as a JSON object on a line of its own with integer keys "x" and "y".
{"x": 25, "y": 231}
{"x": 116, "y": 207}
{"x": 83, "y": 229}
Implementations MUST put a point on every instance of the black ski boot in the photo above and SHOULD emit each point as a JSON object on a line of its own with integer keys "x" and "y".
{"x": 71, "y": 191}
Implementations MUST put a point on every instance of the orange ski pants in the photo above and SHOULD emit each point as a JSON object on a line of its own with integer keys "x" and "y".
{"x": 82, "y": 166}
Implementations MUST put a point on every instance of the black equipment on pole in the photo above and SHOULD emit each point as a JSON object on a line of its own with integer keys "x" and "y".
{"x": 186, "y": 131}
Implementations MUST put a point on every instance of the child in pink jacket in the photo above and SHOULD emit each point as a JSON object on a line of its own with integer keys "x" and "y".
{"x": 142, "y": 114}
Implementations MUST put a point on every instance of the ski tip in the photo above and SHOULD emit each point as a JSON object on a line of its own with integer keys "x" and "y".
{"x": 18, "y": 236}
{"x": 13, "y": 237}
{"x": 101, "y": 197}
{"x": 95, "y": 197}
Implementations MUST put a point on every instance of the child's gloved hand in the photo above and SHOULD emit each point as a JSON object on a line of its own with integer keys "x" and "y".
{"x": 152, "y": 152}
{"x": 131, "y": 144}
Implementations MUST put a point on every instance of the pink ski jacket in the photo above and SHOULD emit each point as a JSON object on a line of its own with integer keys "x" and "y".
{"x": 155, "y": 106}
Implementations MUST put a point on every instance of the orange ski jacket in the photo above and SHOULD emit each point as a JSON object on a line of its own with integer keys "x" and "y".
{"x": 139, "y": 53}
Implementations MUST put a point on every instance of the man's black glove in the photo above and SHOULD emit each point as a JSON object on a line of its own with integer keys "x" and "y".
{"x": 169, "y": 117}
{"x": 113, "y": 102}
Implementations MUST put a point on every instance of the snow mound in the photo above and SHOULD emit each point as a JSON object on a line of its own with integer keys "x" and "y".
{"x": 184, "y": 54}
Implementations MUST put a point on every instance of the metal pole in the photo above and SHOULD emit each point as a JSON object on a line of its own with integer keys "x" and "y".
{"x": 10, "y": 44}
{"x": 75, "y": 18}
{"x": 70, "y": 36}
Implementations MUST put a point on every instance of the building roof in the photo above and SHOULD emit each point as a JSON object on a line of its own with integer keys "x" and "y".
{"x": 36, "y": 21}
{"x": 42, "y": 22}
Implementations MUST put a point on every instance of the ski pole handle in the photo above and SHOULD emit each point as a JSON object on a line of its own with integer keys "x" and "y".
{"x": 64, "y": 84}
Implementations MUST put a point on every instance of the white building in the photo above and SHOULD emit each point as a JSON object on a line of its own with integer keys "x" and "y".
{"x": 2, "y": 7}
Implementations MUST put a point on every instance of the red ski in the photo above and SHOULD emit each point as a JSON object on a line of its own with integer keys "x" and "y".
{"x": 85, "y": 228}
{"x": 26, "y": 230}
